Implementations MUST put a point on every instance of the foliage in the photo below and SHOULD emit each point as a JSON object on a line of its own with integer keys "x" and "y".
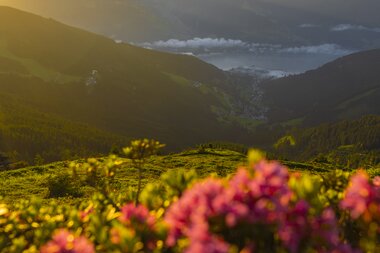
{"x": 225, "y": 146}
{"x": 138, "y": 151}
{"x": 286, "y": 140}
{"x": 260, "y": 208}
{"x": 349, "y": 143}
{"x": 4, "y": 161}
{"x": 63, "y": 185}
{"x": 28, "y": 134}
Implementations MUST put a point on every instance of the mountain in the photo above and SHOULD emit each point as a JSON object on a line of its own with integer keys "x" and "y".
{"x": 109, "y": 17}
{"x": 289, "y": 22}
{"x": 346, "y": 88}
{"x": 114, "y": 87}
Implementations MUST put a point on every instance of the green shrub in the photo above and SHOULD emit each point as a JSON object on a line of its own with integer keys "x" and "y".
{"x": 63, "y": 185}
{"x": 4, "y": 161}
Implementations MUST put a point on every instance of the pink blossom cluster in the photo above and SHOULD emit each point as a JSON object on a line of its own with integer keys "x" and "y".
{"x": 320, "y": 232}
{"x": 362, "y": 197}
{"x": 131, "y": 213}
{"x": 259, "y": 198}
{"x": 65, "y": 242}
{"x": 188, "y": 217}
{"x": 138, "y": 219}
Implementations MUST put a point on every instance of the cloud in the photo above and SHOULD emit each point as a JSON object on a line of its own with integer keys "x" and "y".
{"x": 197, "y": 46}
{"x": 198, "y": 43}
{"x": 330, "y": 49}
{"x": 188, "y": 53}
{"x": 308, "y": 26}
{"x": 346, "y": 27}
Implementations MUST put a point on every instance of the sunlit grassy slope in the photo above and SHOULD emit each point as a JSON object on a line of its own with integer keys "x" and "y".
{"x": 32, "y": 181}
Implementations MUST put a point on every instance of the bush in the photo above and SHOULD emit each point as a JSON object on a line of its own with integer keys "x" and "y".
{"x": 4, "y": 161}
{"x": 63, "y": 185}
{"x": 18, "y": 165}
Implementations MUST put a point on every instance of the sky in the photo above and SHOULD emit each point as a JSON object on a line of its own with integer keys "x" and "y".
{"x": 253, "y": 20}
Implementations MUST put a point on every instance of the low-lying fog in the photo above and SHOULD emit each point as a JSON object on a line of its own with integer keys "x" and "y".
{"x": 270, "y": 59}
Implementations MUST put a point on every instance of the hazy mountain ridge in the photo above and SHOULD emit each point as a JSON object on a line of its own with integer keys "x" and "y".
{"x": 343, "y": 89}
{"x": 290, "y": 22}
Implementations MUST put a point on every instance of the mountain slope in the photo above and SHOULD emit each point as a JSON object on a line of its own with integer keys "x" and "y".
{"x": 343, "y": 89}
{"x": 26, "y": 133}
{"x": 126, "y": 90}
{"x": 361, "y": 135}
{"x": 268, "y": 21}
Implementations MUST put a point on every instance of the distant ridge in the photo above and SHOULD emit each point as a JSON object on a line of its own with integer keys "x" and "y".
{"x": 346, "y": 88}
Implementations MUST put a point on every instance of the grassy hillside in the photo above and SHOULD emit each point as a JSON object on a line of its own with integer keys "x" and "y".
{"x": 343, "y": 89}
{"x": 33, "y": 181}
{"x": 125, "y": 90}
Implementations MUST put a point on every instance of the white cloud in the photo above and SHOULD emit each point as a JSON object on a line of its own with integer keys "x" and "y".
{"x": 346, "y": 27}
{"x": 330, "y": 49}
{"x": 188, "y": 53}
{"x": 308, "y": 26}
{"x": 197, "y": 43}
{"x": 211, "y": 45}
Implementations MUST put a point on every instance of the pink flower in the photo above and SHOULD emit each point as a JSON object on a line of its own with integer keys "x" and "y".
{"x": 345, "y": 248}
{"x": 131, "y": 213}
{"x": 209, "y": 245}
{"x": 65, "y": 242}
{"x": 317, "y": 232}
{"x": 376, "y": 181}
{"x": 189, "y": 216}
{"x": 266, "y": 195}
{"x": 362, "y": 198}
{"x": 296, "y": 227}
{"x": 324, "y": 230}
{"x": 357, "y": 194}
{"x": 261, "y": 197}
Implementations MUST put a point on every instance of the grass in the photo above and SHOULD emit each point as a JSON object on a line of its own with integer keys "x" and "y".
{"x": 31, "y": 182}
{"x": 293, "y": 122}
{"x": 36, "y": 69}
{"x": 348, "y": 102}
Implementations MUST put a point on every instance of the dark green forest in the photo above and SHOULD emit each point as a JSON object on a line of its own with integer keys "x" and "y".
{"x": 351, "y": 143}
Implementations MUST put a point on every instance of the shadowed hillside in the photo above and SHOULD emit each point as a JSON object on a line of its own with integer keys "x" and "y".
{"x": 343, "y": 89}
{"x": 126, "y": 90}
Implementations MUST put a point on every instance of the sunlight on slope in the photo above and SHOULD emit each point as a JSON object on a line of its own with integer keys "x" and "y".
{"x": 36, "y": 69}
